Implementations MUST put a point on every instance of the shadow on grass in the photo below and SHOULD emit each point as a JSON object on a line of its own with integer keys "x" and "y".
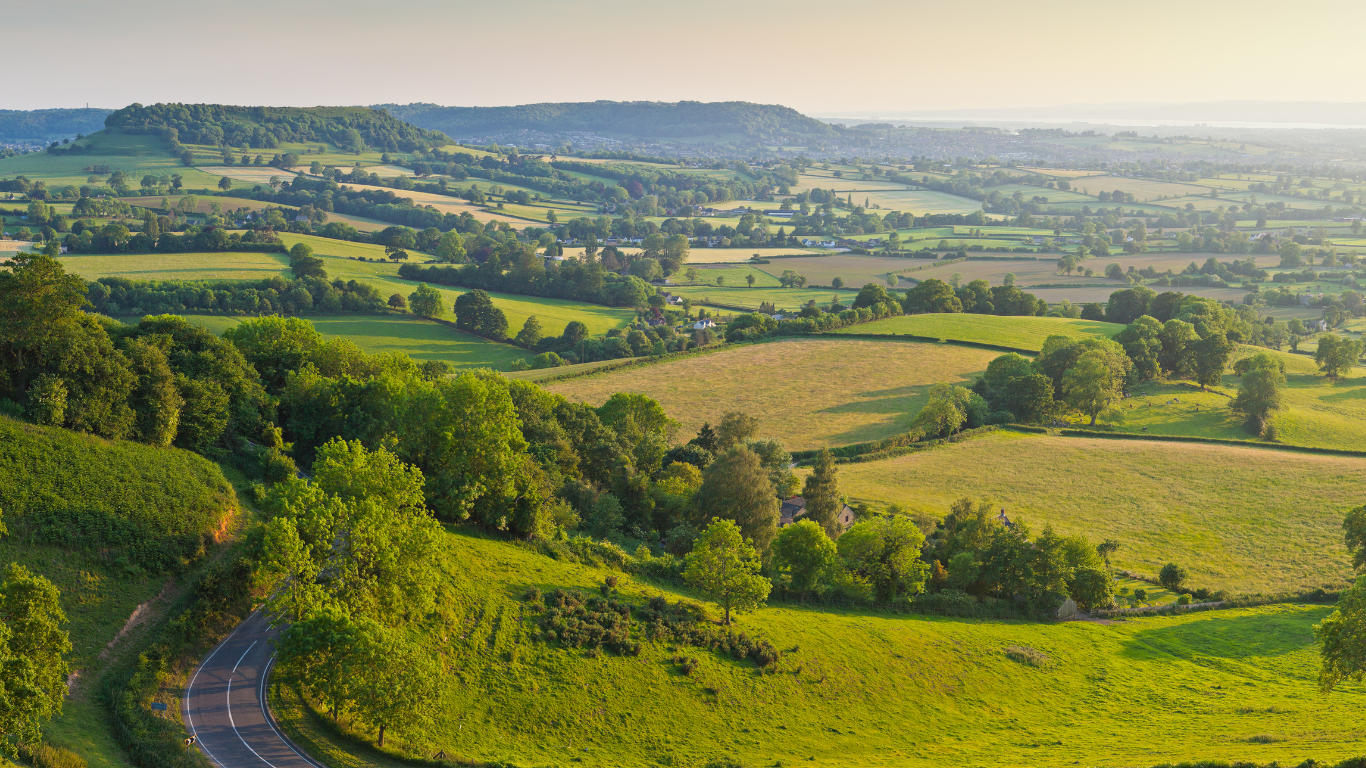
{"x": 1235, "y": 638}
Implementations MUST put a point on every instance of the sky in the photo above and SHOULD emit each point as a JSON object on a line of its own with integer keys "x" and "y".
{"x": 843, "y": 57}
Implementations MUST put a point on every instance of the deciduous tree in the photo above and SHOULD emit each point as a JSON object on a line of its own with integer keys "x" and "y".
{"x": 725, "y": 567}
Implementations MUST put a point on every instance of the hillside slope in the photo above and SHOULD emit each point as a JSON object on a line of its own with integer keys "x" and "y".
{"x": 268, "y": 126}
{"x": 865, "y": 689}
{"x": 157, "y": 508}
{"x": 43, "y": 125}
{"x": 684, "y": 119}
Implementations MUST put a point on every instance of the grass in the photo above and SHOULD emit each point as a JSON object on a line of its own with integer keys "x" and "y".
{"x": 1318, "y": 412}
{"x": 135, "y": 155}
{"x": 865, "y": 689}
{"x": 808, "y": 393}
{"x": 413, "y": 336}
{"x": 1244, "y": 519}
{"x": 715, "y": 255}
{"x": 179, "y": 266}
{"x": 855, "y": 271}
{"x": 1021, "y": 332}
{"x": 790, "y": 299}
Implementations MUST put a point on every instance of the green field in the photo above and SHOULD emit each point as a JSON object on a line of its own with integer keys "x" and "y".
{"x": 1243, "y": 519}
{"x": 179, "y": 266}
{"x": 785, "y": 299}
{"x": 1021, "y": 332}
{"x": 807, "y": 392}
{"x": 855, "y": 271}
{"x": 420, "y": 339}
{"x": 856, "y": 688}
{"x": 134, "y": 155}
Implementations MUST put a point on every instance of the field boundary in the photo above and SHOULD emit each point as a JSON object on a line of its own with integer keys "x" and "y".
{"x": 1208, "y": 440}
{"x": 933, "y": 340}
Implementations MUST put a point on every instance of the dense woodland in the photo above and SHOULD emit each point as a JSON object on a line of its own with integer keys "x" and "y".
{"x": 352, "y": 128}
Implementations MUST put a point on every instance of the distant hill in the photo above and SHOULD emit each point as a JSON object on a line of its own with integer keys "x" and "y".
{"x": 267, "y": 127}
{"x": 641, "y": 119}
{"x": 44, "y": 125}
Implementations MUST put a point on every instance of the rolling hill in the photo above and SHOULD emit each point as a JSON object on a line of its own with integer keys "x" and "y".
{"x": 676, "y": 120}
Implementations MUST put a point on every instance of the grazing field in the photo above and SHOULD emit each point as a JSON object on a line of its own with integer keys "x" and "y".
{"x": 732, "y": 274}
{"x": 907, "y": 690}
{"x": 1318, "y": 412}
{"x": 714, "y": 255}
{"x": 1243, "y": 519}
{"x": 202, "y": 204}
{"x": 554, "y": 314}
{"x": 1021, "y": 332}
{"x": 917, "y": 201}
{"x": 178, "y": 266}
{"x": 785, "y": 299}
{"x": 855, "y": 271}
{"x": 135, "y": 155}
{"x": 809, "y": 393}
{"x": 1141, "y": 189}
{"x": 404, "y": 334}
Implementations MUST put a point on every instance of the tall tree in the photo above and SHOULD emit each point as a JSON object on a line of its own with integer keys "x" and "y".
{"x": 1092, "y": 384}
{"x": 822, "y": 494}
{"x": 426, "y": 301}
{"x": 1211, "y": 358}
{"x": 736, "y": 428}
{"x": 1337, "y": 355}
{"x": 725, "y": 567}
{"x": 736, "y": 486}
{"x": 886, "y": 552}
{"x": 1260, "y": 389}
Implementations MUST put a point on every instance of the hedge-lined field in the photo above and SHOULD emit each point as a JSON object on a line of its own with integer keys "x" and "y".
{"x": 1021, "y": 332}
{"x": 855, "y": 688}
{"x": 1242, "y": 519}
{"x": 807, "y": 392}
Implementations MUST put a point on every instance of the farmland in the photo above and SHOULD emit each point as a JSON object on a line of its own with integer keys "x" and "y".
{"x": 1244, "y": 519}
{"x": 179, "y": 266}
{"x": 788, "y": 299}
{"x": 869, "y": 389}
{"x": 1020, "y": 332}
{"x": 911, "y": 691}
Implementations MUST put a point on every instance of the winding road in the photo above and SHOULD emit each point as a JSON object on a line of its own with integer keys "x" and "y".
{"x": 224, "y": 704}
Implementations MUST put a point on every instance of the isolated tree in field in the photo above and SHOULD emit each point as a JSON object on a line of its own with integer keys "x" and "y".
{"x": 1337, "y": 355}
{"x": 33, "y": 647}
{"x": 725, "y": 567}
{"x": 749, "y": 279}
{"x": 1107, "y": 548}
{"x": 735, "y": 429}
{"x": 736, "y": 486}
{"x": 886, "y": 552}
{"x": 822, "y": 494}
{"x": 1093, "y": 383}
{"x": 805, "y": 554}
{"x": 398, "y": 302}
{"x": 1211, "y": 356}
{"x": 1260, "y": 391}
{"x": 531, "y": 333}
{"x": 1172, "y": 576}
{"x": 225, "y": 183}
{"x": 426, "y": 301}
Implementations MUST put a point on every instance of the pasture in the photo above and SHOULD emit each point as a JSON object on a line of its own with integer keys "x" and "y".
{"x": 1242, "y": 519}
{"x": 749, "y": 299}
{"x": 856, "y": 271}
{"x": 1020, "y": 332}
{"x": 917, "y": 201}
{"x": 178, "y": 266}
{"x": 908, "y": 690}
{"x": 849, "y": 390}
{"x": 134, "y": 155}
{"x": 1141, "y": 189}
{"x": 710, "y": 255}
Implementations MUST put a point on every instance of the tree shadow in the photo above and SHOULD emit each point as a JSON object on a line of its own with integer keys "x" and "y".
{"x": 1234, "y": 638}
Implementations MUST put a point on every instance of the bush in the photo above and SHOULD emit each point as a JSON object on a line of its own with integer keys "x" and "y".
{"x": 1172, "y": 577}
{"x": 51, "y": 756}
{"x": 1023, "y": 654}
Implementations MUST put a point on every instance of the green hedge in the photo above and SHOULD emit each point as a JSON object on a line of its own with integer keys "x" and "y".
{"x": 898, "y": 445}
{"x": 1211, "y": 441}
{"x": 156, "y": 507}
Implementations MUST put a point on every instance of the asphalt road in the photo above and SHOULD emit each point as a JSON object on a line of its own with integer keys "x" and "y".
{"x": 224, "y": 704}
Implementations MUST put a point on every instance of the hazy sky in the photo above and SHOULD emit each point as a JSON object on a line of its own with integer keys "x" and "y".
{"x": 830, "y": 56}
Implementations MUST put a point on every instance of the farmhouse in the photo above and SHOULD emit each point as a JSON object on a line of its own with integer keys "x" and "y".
{"x": 792, "y": 509}
{"x": 705, "y": 322}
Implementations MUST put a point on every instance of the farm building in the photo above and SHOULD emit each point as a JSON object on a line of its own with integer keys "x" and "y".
{"x": 792, "y": 509}
{"x": 705, "y": 322}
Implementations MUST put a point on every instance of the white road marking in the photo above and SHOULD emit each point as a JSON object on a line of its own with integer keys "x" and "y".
{"x": 189, "y": 717}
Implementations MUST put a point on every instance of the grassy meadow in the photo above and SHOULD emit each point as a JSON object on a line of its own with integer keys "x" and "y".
{"x": 1021, "y": 332}
{"x": 134, "y": 155}
{"x": 1243, "y": 519}
{"x": 807, "y": 392}
{"x": 785, "y": 299}
{"x": 857, "y": 688}
{"x": 178, "y": 266}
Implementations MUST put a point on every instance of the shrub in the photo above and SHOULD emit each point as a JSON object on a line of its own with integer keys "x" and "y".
{"x": 51, "y": 756}
{"x": 1023, "y": 654}
{"x": 1172, "y": 576}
